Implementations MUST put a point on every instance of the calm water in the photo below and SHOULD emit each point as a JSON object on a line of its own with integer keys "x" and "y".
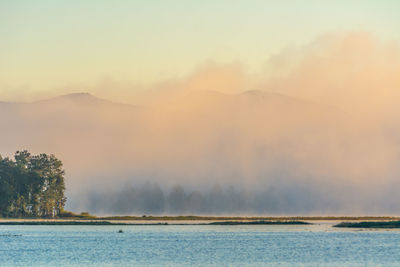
{"x": 252, "y": 245}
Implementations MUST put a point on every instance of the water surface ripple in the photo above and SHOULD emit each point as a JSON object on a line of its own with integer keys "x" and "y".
{"x": 200, "y": 245}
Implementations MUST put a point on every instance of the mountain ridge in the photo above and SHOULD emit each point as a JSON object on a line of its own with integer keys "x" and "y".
{"x": 87, "y": 98}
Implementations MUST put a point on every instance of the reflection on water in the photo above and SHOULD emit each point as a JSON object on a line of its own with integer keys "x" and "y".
{"x": 240, "y": 245}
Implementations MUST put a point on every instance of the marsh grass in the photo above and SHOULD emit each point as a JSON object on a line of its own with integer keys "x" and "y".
{"x": 374, "y": 224}
{"x": 260, "y": 223}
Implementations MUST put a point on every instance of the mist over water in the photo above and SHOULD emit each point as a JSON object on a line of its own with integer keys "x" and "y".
{"x": 317, "y": 133}
{"x": 150, "y": 198}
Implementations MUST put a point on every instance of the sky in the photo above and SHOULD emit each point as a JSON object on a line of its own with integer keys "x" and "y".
{"x": 292, "y": 103}
{"x": 53, "y": 47}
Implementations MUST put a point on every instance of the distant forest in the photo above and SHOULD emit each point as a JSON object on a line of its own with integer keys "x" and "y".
{"x": 150, "y": 198}
{"x": 31, "y": 185}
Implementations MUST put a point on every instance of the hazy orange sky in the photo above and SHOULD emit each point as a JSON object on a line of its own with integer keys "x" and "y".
{"x": 56, "y": 47}
{"x": 297, "y": 98}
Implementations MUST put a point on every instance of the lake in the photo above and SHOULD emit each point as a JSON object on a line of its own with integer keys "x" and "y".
{"x": 204, "y": 245}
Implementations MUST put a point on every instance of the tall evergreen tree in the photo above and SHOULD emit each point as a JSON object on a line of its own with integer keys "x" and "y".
{"x": 31, "y": 185}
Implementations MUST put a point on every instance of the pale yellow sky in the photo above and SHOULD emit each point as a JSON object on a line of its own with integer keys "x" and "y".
{"x": 49, "y": 46}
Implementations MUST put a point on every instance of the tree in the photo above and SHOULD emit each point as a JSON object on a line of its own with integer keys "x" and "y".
{"x": 31, "y": 185}
{"x": 176, "y": 200}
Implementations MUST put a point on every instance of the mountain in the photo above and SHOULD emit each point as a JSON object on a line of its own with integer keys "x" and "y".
{"x": 194, "y": 138}
{"x": 79, "y": 121}
{"x": 62, "y": 125}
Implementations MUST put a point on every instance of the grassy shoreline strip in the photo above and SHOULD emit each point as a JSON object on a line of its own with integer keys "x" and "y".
{"x": 375, "y": 224}
{"x": 260, "y": 223}
{"x": 249, "y": 218}
{"x": 60, "y": 223}
{"x": 210, "y": 218}
{"x": 160, "y": 223}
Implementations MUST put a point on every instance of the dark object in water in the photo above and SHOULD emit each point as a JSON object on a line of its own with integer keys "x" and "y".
{"x": 388, "y": 224}
{"x": 10, "y": 235}
{"x": 120, "y": 231}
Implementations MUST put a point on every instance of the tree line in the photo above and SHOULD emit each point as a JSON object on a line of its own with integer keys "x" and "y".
{"x": 150, "y": 198}
{"x": 31, "y": 185}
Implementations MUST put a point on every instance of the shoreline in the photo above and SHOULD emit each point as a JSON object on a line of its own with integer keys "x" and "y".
{"x": 194, "y": 220}
{"x": 119, "y": 223}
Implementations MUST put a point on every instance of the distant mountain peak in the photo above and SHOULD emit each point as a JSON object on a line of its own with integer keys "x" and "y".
{"x": 79, "y": 94}
{"x": 83, "y": 95}
{"x": 80, "y": 100}
{"x": 75, "y": 98}
{"x": 253, "y": 92}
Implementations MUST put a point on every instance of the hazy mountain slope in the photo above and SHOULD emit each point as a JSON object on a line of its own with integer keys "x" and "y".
{"x": 85, "y": 125}
{"x": 254, "y": 141}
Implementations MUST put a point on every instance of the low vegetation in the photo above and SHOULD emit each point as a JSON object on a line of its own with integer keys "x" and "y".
{"x": 374, "y": 224}
{"x": 245, "y": 218}
{"x": 259, "y": 223}
{"x": 59, "y": 223}
{"x": 71, "y": 215}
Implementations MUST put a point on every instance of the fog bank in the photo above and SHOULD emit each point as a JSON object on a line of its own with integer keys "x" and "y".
{"x": 316, "y": 133}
